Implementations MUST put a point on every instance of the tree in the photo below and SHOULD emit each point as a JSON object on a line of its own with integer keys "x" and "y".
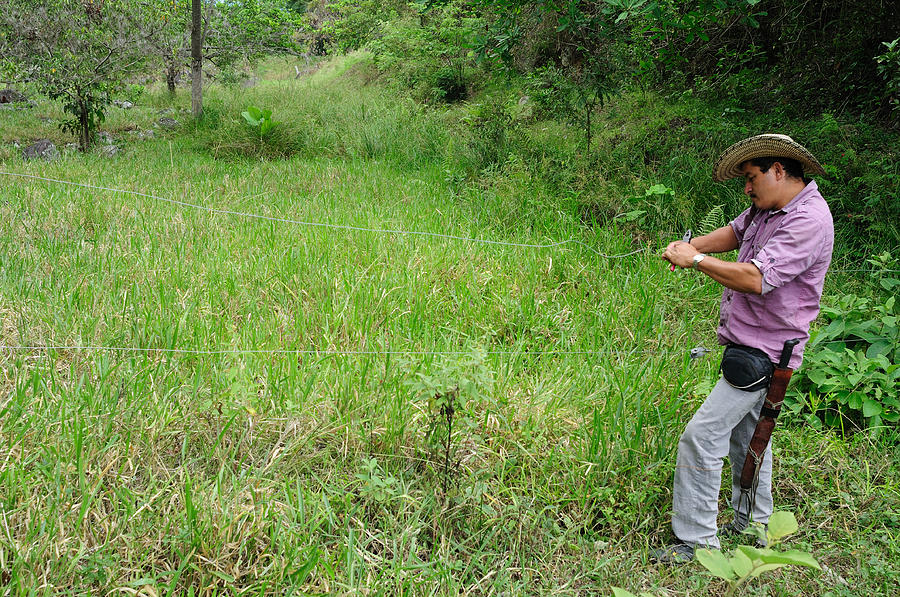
{"x": 223, "y": 32}
{"x": 76, "y": 52}
{"x": 196, "y": 61}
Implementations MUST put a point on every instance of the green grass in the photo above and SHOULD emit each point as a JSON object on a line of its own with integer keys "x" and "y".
{"x": 251, "y": 473}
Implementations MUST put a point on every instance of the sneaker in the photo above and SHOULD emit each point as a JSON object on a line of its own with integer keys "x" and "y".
{"x": 677, "y": 553}
{"x": 736, "y": 529}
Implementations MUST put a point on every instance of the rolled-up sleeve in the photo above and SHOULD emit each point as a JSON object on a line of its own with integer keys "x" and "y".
{"x": 793, "y": 248}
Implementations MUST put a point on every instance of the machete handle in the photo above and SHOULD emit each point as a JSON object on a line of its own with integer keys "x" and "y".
{"x": 786, "y": 352}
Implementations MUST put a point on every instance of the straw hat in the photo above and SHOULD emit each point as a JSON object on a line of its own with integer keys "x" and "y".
{"x": 763, "y": 146}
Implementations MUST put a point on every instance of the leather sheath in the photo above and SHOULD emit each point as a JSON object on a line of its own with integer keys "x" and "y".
{"x": 763, "y": 433}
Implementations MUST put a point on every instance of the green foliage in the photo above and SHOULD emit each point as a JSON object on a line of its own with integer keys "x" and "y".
{"x": 427, "y": 50}
{"x": 352, "y": 23}
{"x": 851, "y": 370}
{"x": 133, "y": 92}
{"x": 77, "y": 53}
{"x": 713, "y": 220}
{"x": 376, "y": 485}
{"x": 575, "y": 96}
{"x": 235, "y": 31}
{"x": 746, "y": 562}
{"x": 491, "y": 134}
{"x": 452, "y": 391}
{"x": 889, "y": 69}
{"x": 260, "y": 120}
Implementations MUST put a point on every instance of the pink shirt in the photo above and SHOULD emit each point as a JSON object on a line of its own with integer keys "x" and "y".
{"x": 792, "y": 249}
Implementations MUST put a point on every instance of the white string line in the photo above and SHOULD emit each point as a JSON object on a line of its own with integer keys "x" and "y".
{"x": 229, "y": 212}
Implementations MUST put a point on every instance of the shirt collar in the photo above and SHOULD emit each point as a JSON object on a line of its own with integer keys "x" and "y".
{"x": 800, "y": 198}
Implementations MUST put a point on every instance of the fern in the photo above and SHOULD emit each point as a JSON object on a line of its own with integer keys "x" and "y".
{"x": 713, "y": 220}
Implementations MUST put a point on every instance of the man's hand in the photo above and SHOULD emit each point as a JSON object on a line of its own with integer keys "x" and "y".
{"x": 680, "y": 253}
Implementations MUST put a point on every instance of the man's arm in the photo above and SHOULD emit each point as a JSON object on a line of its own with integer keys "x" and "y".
{"x": 721, "y": 240}
{"x": 743, "y": 277}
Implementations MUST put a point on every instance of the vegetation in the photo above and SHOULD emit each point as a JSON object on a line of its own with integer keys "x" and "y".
{"x": 259, "y": 357}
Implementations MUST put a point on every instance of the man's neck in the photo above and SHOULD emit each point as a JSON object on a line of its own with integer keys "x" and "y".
{"x": 791, "y": 190}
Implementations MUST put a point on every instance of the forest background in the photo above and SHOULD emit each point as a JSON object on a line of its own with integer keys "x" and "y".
{"x": 290, "y": 408}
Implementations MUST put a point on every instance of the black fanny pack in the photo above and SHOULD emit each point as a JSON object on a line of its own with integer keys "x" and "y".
{"x": 746, "y": 368}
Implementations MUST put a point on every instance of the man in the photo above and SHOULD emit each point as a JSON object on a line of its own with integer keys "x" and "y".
{"x": 771, "y": 295}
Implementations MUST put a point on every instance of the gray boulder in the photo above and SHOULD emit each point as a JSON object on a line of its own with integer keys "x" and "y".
{"x": 42, "y": 149}
{"x": 167, "y": 123}
{"x": 11, "y": 96}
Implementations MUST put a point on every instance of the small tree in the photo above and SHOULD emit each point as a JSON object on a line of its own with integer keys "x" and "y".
{"x": 76, "y": 52}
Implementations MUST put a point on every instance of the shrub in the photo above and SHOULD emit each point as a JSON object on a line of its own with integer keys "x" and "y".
{"x": 851, "y": 373}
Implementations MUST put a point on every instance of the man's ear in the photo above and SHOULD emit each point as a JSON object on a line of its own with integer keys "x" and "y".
{"x": 780, "y": 172}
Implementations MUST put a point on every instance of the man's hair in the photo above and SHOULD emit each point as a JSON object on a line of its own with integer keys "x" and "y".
{"x": 793, "y": 167}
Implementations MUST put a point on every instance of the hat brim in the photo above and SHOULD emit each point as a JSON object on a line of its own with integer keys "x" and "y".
{"x": 728, "y": 165}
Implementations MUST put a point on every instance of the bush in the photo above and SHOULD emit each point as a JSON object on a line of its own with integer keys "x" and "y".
{"x": 851, "y": 372}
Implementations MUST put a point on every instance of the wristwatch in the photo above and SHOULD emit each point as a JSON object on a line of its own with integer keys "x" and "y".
{"x": 697, "y": 259}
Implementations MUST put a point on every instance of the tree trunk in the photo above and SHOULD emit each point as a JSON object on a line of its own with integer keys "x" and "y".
{"x": 196, "y": 61}
{"x": 84, "y": 126}
{"x": 171, "y": 74}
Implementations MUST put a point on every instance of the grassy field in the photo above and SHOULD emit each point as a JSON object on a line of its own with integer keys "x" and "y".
{"x": 271, "y": 412}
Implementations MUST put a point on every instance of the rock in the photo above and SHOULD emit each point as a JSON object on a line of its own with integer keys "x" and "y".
{"x": 524, "y": 100}
{"x": 124, "y": 104}
{"x": 71, "y": 147}
{"x": 43, "y": 149}
{"x": 105, "y": 138}
{"x": 109, "y": 151}
{"x": 249, "y": 82}
{"x": 11, "y": 96}
{"x": 141, "y": 135}
{"x": 166, "y": 111}
{"x": 167, "y": 123}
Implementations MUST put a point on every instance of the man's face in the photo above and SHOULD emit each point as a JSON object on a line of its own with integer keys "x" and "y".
{"x": 761, "y": 187}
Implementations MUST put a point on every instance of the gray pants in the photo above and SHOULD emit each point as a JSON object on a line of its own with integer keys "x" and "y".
{"x": 722, "y": 426}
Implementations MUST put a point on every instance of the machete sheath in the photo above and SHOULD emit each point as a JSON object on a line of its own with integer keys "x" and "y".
{"x": 763, "y": 432}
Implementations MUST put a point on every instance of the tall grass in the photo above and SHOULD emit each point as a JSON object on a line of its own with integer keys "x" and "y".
{"x": 251, "y": 472}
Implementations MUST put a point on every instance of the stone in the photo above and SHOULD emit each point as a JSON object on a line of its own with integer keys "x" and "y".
{"x": 105, "y": 138}
{"x": 167, "y": 123}
{"x": 249, "y": 82}
{"x": 524, "y": 100}
{"x": 124, "y": 104}
{"x": 166, "y": 111}
{"x": 43, "y": 149}
{"x": 109, "y": 151}
{"x": 11, "y": 96}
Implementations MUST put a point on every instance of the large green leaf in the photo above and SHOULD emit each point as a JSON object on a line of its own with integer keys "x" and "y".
{"x": 791, "y": 557}
{"x": 782, "y": 524}
{"x": 255, "y": 112}
{"x": 249, "y": 118}
{"x": 751, "y": 552}
{"x": 817, "y": 376}
{"x": 741, "y": 564}
{"x": 879, "y": 347}
{"x": 870, "y": 408}
{"x": 764, "y": 568}
{"x": 716, "y": 562}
